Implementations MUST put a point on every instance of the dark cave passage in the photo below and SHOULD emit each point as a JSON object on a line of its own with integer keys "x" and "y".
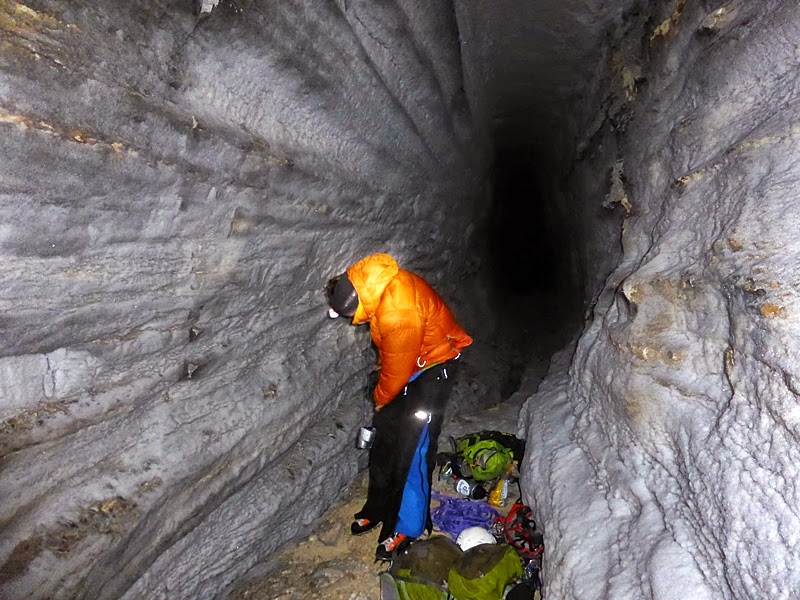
{"x": 522, "y": 243}
{"x": 537, "y": 302}
{"x": 535, "y": 94}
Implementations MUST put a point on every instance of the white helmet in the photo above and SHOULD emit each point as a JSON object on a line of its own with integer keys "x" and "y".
{"x": 474, "y": 536}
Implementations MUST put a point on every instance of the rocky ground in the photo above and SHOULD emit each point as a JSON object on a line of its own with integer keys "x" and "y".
{"x": 330, "y": 563}
{"x": 334, "y": 565}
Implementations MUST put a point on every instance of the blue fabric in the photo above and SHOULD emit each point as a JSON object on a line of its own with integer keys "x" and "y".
{"x": 421, "y": 371}
{"x": 414, "y": 506}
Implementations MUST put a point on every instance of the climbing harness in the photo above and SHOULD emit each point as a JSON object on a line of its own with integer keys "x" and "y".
{"x": 518, "y": 529}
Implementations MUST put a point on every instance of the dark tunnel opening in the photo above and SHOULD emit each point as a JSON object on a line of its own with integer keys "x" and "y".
{"x": 536, "y": 76}
{"x": 537, "y": 300}
{"x": 521, "y": 245}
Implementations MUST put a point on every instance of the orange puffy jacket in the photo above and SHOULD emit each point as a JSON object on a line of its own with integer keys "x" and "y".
{"x": 409, "y": 322}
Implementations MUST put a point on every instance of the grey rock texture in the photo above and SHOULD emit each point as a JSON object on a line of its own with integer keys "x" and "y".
{"x": 666, "y": 461}
{"x": 174, "y": 192}
{"x": 179, "y": 179}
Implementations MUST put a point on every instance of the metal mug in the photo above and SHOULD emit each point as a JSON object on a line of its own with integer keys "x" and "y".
{"x": 366, "y": 435}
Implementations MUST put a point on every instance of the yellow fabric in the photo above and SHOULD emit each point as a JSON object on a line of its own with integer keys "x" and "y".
{"x": 409, "y": 322}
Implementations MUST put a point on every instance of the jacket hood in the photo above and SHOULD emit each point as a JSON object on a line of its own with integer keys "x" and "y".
{"x": 370, "y": 276}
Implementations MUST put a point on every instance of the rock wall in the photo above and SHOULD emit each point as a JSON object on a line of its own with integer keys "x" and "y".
{"x": 665, "y": 462}
{"x": 175, "y": 190}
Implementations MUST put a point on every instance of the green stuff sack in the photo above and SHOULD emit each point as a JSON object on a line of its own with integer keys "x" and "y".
{"x": 489, "y": 453}
{"x": 399, "y": 589}
{"x": 421, "y": 572}
{"x": 484, "y": 572}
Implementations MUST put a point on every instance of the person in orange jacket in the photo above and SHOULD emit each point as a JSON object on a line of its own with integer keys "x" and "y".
{"x": 418, "y": 341}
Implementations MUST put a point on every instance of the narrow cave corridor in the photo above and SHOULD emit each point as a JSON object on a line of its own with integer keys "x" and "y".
{"x": 604, "y": 192}
{"x": 538, "y": 303}
{"x": 521, "y": 227}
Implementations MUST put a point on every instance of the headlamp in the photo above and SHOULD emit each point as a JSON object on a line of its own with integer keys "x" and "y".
{"x": 423, "y": 415}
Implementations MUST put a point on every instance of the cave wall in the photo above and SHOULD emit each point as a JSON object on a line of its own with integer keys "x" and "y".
{"x": 176, "y": 189}
{"x": 174, "y": 193}
{"x": 674, "y": 425}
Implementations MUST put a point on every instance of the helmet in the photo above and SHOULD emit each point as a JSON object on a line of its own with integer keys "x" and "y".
{"x": 474, "y": 536}
{"x": 342, "y": 296}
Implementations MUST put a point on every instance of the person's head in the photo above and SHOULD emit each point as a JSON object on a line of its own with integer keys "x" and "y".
{"x": 342, "y": 297}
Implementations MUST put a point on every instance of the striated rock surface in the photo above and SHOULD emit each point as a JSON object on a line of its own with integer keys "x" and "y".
{"x": 174, "y": 192}
{"x": 179, "y": 179}
{"x": 665, "y": 461}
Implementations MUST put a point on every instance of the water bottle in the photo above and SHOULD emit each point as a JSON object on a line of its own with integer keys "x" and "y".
{"x": 366, "y": 436}
{"x": 499, "y": 494}
{"x": 470, "y": 489}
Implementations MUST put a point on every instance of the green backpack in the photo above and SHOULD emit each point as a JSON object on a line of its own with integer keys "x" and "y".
{"x": 488, "y": 454}
{"x": 484, "y": 572}
{"x": 437, "y": 569}
{"x": 421, "y": 572}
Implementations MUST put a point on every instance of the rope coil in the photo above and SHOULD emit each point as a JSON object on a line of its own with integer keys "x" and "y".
{"x": 453, "y": 515}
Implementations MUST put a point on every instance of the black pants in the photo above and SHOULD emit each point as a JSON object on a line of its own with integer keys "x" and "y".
{"x": 396, "y": 438}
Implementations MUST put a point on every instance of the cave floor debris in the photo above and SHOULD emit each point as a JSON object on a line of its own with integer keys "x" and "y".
{"x": 331, "y": 563}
